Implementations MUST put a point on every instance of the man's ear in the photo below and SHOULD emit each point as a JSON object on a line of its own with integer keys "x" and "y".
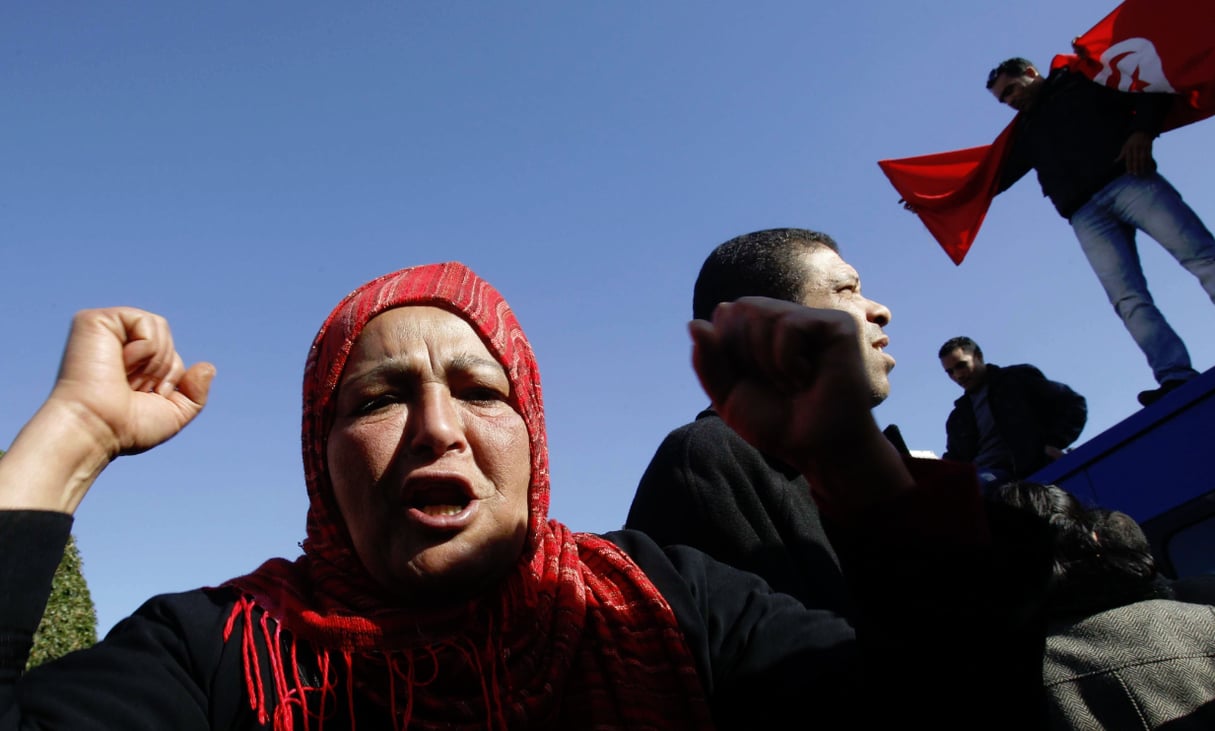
{"x": 1031, "y": 72}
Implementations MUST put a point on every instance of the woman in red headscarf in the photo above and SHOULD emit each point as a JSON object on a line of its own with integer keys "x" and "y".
{"x": 433, "y": 590}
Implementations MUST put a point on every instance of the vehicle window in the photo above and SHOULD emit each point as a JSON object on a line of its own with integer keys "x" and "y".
{"x": 1192, "y": 549}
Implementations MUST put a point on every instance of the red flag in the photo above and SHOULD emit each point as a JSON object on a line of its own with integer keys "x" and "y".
{"x": 1143, "y": 45}
{"x": 951, "y": 191}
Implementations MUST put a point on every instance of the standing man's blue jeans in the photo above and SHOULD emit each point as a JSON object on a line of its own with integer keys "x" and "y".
{"x": 1106, "y": 227}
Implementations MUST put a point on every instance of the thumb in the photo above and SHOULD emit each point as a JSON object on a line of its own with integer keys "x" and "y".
{"x": 193, "y": 390}
{"x": 709, "y": 361}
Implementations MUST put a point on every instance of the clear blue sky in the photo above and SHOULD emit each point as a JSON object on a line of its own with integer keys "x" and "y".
{"x": 238, "y": 167}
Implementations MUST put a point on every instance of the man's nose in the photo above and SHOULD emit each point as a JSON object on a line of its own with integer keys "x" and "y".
{"x": 878, "y": 313}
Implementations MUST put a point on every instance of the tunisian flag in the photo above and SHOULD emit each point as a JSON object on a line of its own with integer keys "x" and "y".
{"x": 1143, "y": 45}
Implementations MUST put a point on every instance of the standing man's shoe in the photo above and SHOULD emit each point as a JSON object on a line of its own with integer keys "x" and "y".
{"x": 1147, "y": 398}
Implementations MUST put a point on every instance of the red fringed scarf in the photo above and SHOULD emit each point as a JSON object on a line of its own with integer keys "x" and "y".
{"x": 577, "y": 637}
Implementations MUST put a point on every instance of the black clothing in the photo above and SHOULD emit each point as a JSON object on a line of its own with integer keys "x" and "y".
{"x": 166, "y": 667}
{"x": 759, "y": 654}
{"x": 1030, "y": 413}
{"x": 1073, "y": 135}
{"x": 708, "y": 488}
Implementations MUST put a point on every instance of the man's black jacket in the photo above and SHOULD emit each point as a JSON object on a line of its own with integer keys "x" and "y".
{"x": 1074, "y": 134}
{"x": 1030, "y": 413}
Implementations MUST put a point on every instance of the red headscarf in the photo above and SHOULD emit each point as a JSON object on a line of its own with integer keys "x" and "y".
{"x": 575, "y": 637}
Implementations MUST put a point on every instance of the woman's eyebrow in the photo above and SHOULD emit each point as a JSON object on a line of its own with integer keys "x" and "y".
{"x": 395, "y": 368}
{"x": 469, "y": 361}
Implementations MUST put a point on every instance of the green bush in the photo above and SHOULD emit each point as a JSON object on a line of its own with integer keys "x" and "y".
{"x": 70, "y": 620}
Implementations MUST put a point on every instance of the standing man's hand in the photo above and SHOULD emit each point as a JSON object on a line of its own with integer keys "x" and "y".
{"x": 1137, "y": 154}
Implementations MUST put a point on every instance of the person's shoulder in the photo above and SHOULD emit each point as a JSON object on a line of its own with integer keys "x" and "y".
{"x": 1138, "y": 619}
{"x": 1011, "y": 375}
{"x": 190, "y": 626}
{"x": 679, "y": 569}
{"x": 632, "y": 542}
{"x": 1026, "y": 372}
{"x": 706, "y": 423}
{"x": 1021, "y": 370}
{"x": 676, "y": 571}
{"x": 706, "y": 435}
{"x": 1121, "y": 633}
{"x": 1061, "y": 72}
{"x": 1064, "y": 76}
{"x": 190, "y": 610}
{"x": 673, "y": 560}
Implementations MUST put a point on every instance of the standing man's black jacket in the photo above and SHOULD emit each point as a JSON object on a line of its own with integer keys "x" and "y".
{"x": 1030, "y": 413}
{"x": 1074, "y": 134}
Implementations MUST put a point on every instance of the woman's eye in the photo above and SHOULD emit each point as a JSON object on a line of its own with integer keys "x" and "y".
{"x": 374, "y": 403}
{"x": 482, "y": 395}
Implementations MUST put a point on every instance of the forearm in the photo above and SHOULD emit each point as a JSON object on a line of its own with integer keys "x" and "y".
{"x": 1014, "y": 166}
{"x": 862, "y": 471}
{"x": 52, "y": 462}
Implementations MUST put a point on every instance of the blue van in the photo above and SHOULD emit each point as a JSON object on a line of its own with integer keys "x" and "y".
{"x": 1156, "y": 466}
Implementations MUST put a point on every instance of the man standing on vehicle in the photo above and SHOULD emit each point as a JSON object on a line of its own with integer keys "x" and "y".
{"x": 1092, "y": 148}
{"x": 1012, "y": 421}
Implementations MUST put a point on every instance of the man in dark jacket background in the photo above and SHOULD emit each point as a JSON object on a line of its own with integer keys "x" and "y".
{"x": 1092, "y": 148}
{"x": 1011, "y": 421}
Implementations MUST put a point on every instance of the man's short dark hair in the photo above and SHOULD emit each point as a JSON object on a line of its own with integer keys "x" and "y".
{"x": 1014, "y": 67}
{"x": 759, "y": 264}
{"x": 961, "y": 342}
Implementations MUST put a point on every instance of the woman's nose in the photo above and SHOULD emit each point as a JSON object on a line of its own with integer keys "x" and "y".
{"x": 434, "y": 422}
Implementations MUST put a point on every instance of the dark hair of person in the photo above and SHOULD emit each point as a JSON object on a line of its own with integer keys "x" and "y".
{"x": 1092, "y": 558}
{"x": 961, "y": 342}
{"x": 1014, "y": 67}
{"x": 759, "y": 264}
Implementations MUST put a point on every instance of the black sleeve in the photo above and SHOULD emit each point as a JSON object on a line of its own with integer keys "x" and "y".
{"x": 1016, "y": 163}
{"x": 31, "y": 546}
{"x": 951, "y": 449}
{"x": 941, "y": 637}
{"x": 1060, "y": 411}
{"x": 960, "y": 445}
{"x": 155, "y": 670}
{"x": 759, "y": 653}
